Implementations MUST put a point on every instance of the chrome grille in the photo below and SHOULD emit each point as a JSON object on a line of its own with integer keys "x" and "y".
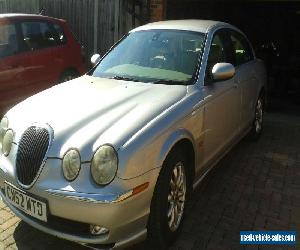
{"x": 32, "y": 149}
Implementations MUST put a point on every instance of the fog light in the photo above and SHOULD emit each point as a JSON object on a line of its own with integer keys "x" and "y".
{"x": 98, "y": 230}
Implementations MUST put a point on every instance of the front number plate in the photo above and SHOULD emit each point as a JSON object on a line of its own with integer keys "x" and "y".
{"x": 26, "y": 203}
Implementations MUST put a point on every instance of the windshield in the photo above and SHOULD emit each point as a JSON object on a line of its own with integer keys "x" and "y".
{"x": 158, "y": 56}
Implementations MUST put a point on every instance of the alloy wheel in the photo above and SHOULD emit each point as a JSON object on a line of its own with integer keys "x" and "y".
{"x": 258, "y": 116}
{"x": 176, "y": 196}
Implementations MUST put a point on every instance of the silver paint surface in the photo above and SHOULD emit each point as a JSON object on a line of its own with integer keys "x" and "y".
{"x": 143, "y": 122}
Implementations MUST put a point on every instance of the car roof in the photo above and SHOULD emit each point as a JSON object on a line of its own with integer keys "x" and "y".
{"x": 202, "y": 26}
{"x": 14, "y": 16}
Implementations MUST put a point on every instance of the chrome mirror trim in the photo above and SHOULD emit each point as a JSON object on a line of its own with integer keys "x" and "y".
{"x": 95, "y": 59}
{"x": 223, "y": 71}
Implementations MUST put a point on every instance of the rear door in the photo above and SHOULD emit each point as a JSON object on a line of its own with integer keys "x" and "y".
{"x": 40, "y": 42}
{"x": 245, "y": 76}
{"x": 66, "y": 57}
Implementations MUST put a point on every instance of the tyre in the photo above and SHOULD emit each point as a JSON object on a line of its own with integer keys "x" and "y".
{"x": 68, "y": 75}
{"x": 257, "y": 125}
{"x": 168, "y": 202}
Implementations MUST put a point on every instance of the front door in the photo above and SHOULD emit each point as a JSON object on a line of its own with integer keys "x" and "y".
{"x": 222, "y": 101}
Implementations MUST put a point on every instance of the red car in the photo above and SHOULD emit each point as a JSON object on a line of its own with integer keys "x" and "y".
{"x": 36, "y": 52}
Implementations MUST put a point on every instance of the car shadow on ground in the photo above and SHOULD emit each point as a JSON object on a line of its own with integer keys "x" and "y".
{"x": 27, "y": 237}
{"x": 254, "y": 187}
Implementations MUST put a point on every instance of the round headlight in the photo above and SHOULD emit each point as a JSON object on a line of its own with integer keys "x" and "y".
{"x": 104, "y": 165}
{"x": 71, "y": 164}
{"x": 7, "y": 142}
{"x": 3, "y": 128}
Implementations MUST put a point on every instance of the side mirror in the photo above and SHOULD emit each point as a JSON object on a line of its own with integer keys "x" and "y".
{"x": 95, "y": 59}
{"x": 223, "y": 71}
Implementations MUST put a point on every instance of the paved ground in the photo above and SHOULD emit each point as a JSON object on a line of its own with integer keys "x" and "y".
{"x": 255, "y": 187}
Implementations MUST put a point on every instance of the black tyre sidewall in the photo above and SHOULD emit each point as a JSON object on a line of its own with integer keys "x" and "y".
{"x": 254, "y": 136}
{"x": 160, "y": 235}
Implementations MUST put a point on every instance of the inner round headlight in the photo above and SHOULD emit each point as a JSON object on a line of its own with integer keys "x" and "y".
{"x": 104, "y": 165}
{"x": 3, "y": 128}
{"x": 7, "y": 142}
{"x": 71, "y": 164}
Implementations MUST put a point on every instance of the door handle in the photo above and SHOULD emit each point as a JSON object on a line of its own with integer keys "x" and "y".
{"x": 235, "y": 85}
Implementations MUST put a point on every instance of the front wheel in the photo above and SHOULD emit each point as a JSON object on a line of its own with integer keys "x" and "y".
{"x": 257, "y": 126}
{"x": 169, "y": 202}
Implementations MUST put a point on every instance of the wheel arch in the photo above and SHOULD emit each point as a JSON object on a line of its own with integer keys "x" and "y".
{"x": 181, "y": 140}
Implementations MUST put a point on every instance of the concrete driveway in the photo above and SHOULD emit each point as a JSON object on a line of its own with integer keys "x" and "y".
{"x": 255, "y": 187}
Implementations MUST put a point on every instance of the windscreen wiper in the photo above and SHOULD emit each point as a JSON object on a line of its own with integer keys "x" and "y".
{"x": 169, "y": 82}
{"x": 123, "y": 78}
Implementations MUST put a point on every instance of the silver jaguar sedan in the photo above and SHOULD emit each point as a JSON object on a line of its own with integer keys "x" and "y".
{"x": 110, "y": 158}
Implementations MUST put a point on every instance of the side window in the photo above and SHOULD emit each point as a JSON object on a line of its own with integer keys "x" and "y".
{"x": 216, "y": 52}
{"x": 219, "y": 52}
{"x": 38, "y": 35}
{"x": 8, "y": 40}
{"x": 60, "y": 35}
{"x": 241, "y": 48}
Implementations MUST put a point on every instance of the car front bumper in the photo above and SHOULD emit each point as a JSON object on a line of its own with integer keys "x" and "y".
{"x": 71, "y": 211}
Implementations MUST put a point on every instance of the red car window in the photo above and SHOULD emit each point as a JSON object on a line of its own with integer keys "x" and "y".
{"x": 60, "y": 34}
{"x": 38, "y": 35}
{"x": 8, "y": 40}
